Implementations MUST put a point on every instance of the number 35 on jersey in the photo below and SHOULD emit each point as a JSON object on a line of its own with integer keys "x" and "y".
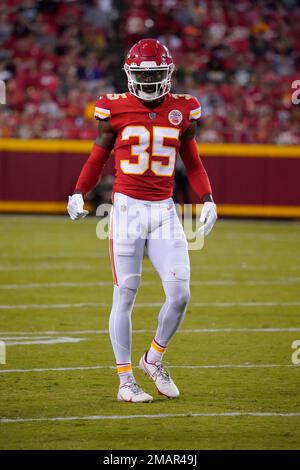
{"x": 146, "y": 153}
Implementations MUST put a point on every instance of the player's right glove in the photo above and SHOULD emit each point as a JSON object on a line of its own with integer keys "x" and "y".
{"x": 75, "y": 207}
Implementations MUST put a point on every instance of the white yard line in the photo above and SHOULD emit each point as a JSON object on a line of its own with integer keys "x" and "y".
{"x": 152, "y": 304}
{"x": 46, "y": 285}
{"x": 211, "y": 282}
{"x": 239, "y": 330}
{"x": 75, "y": 332}
{"x": 54, "y": 369}
{"x": 47, "y": 341}
{"x": 233, "y": 414}
{"x": 54, "y": 256}
{"x": 244, "y": 267}
{"x": 208, "y": 366}
{"x": 262, "y": 236}
{"x": 45, "y": 267}
{"x": 55, "y": 306}
{"x": 3, "y": 334}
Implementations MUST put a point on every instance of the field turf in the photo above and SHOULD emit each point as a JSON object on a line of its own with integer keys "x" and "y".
{"x": 231, "y": 359}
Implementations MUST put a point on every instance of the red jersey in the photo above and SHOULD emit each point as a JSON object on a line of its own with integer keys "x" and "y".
{"x": 147, "y": 141}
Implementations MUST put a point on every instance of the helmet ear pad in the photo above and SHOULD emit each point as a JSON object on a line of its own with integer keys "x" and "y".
{"x": 149, "y": 68}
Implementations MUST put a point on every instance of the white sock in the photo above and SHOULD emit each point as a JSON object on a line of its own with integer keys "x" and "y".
{"x": 155, "y": 353}
{"x": 125, "y": 373}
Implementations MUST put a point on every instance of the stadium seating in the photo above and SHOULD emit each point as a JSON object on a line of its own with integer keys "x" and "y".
{"x": 238, "y": 58}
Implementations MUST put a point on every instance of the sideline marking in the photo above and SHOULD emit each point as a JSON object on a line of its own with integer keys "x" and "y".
{"x": 188, "y": 330}
{"x": 211, "y": 282}
{"x": 152, "y": 304}
{"x": 149, "y": 416}
{"x": 223, "y": 366}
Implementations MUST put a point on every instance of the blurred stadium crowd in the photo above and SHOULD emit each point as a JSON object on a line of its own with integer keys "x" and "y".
{"x": 238, "y": 57}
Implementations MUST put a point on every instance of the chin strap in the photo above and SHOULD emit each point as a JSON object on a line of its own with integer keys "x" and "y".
{"x": 153, "y": 103}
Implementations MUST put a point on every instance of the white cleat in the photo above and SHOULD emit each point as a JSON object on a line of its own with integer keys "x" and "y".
{"x": 133, "y": 393}
{"x": 160, "y": 377}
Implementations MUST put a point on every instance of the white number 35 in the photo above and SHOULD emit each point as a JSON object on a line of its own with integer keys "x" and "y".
{"x": 159, "y": 149}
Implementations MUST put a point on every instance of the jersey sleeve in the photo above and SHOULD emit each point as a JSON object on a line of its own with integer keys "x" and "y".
{"x": 194, "y": 109}
{"x": 102, "y": 108}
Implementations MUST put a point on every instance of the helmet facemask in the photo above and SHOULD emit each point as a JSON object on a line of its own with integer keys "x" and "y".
{"x": 149, "y": 82}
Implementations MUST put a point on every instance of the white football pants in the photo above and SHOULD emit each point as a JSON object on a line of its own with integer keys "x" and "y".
{"x": 134, "y": 224}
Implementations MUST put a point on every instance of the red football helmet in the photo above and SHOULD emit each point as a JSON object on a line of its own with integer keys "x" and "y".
{"x": 149, "y": 67}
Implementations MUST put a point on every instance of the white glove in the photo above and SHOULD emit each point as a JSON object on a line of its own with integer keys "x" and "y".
{"x": 208, "y": 217}
{"x": 75, "y": 207}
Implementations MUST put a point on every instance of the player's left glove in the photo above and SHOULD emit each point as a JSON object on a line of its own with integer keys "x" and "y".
{"x": 75, "y": 207}
{"x": 208, "y": 217}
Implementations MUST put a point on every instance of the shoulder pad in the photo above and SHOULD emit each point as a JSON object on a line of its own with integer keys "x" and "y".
{"x": 195, "y": 109}
{"x": 102, "y": 108}
{"x": 104, "y": 105}
{"x": 191, "y": 104}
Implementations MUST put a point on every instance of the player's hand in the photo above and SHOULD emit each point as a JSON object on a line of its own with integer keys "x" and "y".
{"x": 208, "y": 217}
{"x": 75, "y": 207}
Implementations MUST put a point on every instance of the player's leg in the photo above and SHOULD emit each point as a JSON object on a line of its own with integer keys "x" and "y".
{"x": 169, "y": 255}
{"x": 126, "y": 256}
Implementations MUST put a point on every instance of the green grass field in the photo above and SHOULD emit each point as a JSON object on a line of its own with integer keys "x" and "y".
{"x": 231, "y": 359}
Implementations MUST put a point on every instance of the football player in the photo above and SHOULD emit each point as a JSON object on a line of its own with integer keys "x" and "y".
{"x": 146, "y": 127}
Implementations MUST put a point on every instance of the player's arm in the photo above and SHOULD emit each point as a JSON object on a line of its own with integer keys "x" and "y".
{"x": 100, "y": 153}
{"x": 92, "y": 169}
{"x": 198, "y": 178}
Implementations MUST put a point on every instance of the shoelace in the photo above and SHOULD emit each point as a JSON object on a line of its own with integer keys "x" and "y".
{"x": 135, "y": 388}
{"x": 162, "y": 372}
